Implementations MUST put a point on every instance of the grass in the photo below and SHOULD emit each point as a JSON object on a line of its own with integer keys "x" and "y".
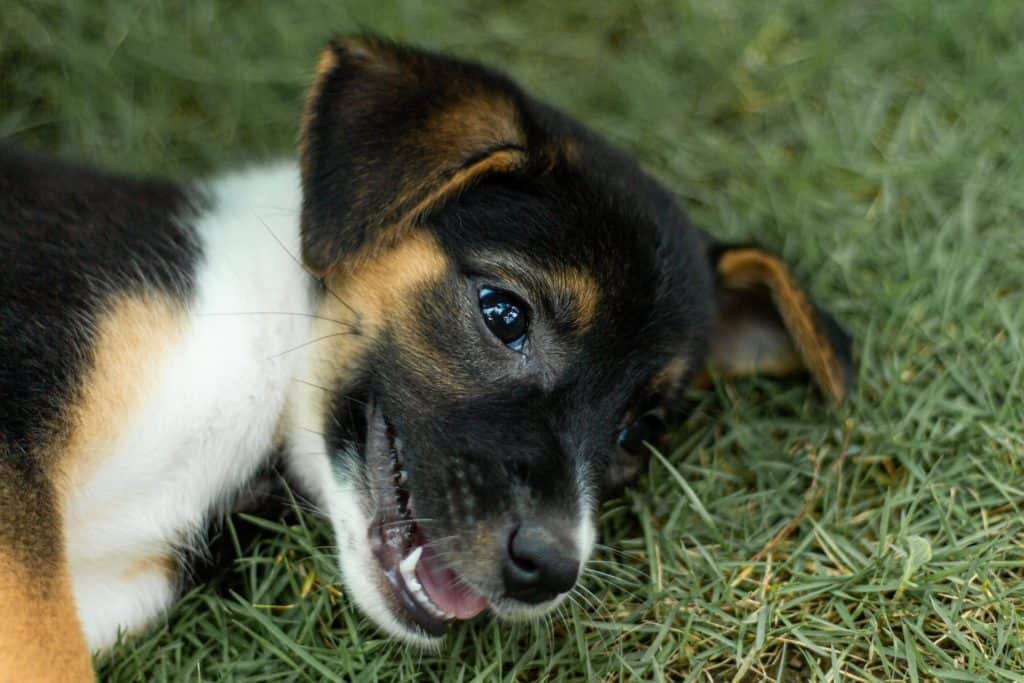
{"x": 876, "y": 145}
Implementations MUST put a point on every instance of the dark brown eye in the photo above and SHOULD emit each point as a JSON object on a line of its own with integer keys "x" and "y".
{"x": 649, "y": 427}
{"x": 506, "y": 316}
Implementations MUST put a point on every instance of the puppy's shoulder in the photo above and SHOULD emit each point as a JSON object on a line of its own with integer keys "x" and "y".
{"x": 79, "y": 246}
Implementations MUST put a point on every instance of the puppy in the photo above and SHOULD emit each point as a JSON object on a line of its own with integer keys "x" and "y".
{"x": 460, "y": 317}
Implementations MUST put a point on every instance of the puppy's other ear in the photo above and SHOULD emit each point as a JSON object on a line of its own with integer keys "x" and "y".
{"x": 391, "y": 132}
{"x": 765, "y": 323}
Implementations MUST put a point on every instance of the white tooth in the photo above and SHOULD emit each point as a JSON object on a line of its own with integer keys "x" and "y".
{"x": 425, "y": 602}
{"x": 435, "y": 611}
{"x": 408, "y": 564}
{"x": 407, "y": 568}
{"x": 402, "y": 477}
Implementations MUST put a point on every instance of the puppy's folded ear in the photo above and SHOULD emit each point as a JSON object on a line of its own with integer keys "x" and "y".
{"x": 391, "y": 132}
{"x": 765, "y": 323}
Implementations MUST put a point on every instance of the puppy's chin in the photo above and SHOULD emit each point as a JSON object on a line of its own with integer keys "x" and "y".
{"x": 508, "y": 610}
{"x": 369, "y": 589}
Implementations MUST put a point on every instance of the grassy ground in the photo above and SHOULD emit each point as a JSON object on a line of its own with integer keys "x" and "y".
{"x": 876, "y": 145}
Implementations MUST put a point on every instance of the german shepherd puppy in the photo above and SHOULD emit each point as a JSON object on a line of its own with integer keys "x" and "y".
{"x": 460, "y": 318}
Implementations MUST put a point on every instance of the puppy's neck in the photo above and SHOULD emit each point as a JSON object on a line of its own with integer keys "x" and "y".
{"x": 253, "y": 286}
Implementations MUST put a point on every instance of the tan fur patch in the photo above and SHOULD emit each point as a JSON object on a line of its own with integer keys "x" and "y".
{"x": 130, "y": 338}
{"x": 502, "y": 161}
{"x": 668, "y": 381}
{"x": 572, "y": 150}
{"x": 480, "y": 121}
{"x": 40, "y": 636}
{"x": 415, "y": 200}
{"x": 161, "y": 565}
{"x": 368, "y": 295}
{"x": 743, "y": 268}
{"x": 563, "y": 150}
{"x": 582, "y": 290}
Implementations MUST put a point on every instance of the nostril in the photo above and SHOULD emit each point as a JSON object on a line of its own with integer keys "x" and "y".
{"x": 521, "y": 555}
{"x": 540, "y": 564}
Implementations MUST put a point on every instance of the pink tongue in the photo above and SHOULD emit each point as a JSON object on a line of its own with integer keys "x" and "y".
{"x": 445, "y": 590}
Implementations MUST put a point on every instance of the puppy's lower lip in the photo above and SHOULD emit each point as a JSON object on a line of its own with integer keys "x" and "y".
{"x": 430, "y": 593}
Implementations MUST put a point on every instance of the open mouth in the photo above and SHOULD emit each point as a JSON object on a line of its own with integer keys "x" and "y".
{"x": 430, "y": 593}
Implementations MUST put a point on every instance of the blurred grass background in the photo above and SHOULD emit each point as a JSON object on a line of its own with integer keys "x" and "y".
{"x": 877, "y": 145}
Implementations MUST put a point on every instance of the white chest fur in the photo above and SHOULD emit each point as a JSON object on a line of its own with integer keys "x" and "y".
{"x": 213, "y": 412}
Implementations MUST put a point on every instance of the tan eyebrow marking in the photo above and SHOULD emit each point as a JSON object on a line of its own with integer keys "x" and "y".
{"x": 583, "y": 292}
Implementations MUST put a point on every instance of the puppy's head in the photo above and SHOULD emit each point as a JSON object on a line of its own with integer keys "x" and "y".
{"x": 507, "y": 302}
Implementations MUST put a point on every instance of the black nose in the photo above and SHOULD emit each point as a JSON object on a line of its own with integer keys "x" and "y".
{"x": 541, "y": 564}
